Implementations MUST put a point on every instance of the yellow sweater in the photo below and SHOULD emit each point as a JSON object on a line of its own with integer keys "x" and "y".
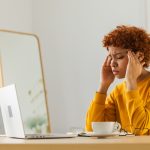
{"x": 130, "y": 108}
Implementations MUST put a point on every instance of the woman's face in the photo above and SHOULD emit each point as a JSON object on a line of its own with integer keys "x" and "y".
{"x": 119, "y": 61}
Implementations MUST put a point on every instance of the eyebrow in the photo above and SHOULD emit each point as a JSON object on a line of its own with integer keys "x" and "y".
{"x": 119, "y": 53}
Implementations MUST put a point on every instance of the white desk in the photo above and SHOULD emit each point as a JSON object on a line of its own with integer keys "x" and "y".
{"x": 83, "y": 143}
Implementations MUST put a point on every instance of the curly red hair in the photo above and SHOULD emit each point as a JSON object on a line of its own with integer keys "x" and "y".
{"x": 130, "y": 37}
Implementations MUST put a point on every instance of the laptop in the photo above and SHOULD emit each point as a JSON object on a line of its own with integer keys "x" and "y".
{"x": 12, "y": 119}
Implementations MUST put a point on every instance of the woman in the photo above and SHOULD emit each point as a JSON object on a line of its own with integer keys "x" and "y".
{"x": 129, "y": 103}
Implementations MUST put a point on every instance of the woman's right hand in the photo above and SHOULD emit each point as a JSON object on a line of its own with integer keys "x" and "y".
{"x": 107, "y": 76}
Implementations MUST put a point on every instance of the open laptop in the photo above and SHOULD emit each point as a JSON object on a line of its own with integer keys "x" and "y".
{"x": 12, "y": 119}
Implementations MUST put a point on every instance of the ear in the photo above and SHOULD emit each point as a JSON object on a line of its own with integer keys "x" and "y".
{"x": 140, "y": 56}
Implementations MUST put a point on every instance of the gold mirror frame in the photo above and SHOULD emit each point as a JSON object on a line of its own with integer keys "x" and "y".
{"x": 41, "y": 65}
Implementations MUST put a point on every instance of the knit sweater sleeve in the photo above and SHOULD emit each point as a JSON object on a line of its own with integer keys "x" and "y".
{"x": 102, "y": 108}
{"x": 139, "y": 113}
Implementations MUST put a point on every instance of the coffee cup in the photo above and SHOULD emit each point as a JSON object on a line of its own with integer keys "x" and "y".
{"x": 105, "y": 127}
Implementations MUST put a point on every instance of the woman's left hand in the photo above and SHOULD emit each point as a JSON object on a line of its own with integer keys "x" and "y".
{"x": 133, "y": 71}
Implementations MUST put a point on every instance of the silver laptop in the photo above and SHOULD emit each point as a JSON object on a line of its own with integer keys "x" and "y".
{"x": 12, "y": 119}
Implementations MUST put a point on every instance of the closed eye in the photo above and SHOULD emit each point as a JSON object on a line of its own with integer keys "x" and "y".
{"x": 121, "y": 57}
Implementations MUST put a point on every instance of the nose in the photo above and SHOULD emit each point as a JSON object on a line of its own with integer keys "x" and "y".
{"x": 113, "y": 63}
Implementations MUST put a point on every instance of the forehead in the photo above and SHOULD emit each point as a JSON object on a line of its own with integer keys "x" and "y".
{"x": 116, "y": 50}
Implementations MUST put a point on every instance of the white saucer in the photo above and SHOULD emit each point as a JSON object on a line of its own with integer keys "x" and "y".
{"x": 93, "y": 134}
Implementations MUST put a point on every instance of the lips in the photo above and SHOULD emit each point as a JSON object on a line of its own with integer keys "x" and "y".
{"x": 115, "y": 72}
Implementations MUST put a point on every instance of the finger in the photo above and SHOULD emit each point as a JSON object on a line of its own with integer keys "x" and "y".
{"x": 130, "y": 53}
{"x": 143, "y": 63}
{"x": 135, "y": 57}
{"x": 105, "y": 62}
{"x": 140, "y": 59}
{"x": 129, "y": 56}
{"x": 109, "y": 61}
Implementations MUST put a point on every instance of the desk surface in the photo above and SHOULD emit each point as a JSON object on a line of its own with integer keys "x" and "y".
{"x": 87, "y": 143}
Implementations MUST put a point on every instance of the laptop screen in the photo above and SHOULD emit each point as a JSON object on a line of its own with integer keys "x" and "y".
{"x": 11, "y": 112}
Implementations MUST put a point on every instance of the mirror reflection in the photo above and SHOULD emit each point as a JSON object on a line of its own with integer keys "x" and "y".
{"x": 21, "y": 64}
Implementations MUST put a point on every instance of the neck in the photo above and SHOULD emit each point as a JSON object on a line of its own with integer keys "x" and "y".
{"x": 143, "y": 75}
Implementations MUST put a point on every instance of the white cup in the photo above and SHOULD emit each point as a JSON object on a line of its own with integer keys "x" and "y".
{"x": 105, "y": 127}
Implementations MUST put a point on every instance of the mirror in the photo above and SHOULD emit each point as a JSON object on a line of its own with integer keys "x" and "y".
{"x": 21, "y": 65}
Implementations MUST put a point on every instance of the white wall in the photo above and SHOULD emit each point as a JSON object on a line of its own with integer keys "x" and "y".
{"x": 71, "y": 32}
{"x": 15, "y": 15}
{"x": 148, "y": 14}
